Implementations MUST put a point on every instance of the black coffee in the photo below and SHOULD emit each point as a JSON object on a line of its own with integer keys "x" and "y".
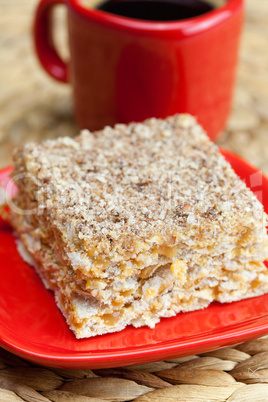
{"x": 157, "y": 10}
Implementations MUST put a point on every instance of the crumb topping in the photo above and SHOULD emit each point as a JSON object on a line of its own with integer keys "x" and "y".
{"x": 135, "y": 181}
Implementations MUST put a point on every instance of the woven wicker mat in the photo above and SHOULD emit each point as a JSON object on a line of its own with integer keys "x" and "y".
{"x": 239, "y": 373}
{"x": 33, "y": 107}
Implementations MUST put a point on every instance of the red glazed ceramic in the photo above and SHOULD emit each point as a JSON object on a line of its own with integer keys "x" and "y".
{"x": 123, "y": 69}
{"x": 32, "y": 326}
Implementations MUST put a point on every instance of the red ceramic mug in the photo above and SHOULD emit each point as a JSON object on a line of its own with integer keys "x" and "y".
{"x": 124, "y": 69}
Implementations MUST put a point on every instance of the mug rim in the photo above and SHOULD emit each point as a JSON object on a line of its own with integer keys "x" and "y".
{"x": 185, "y": 27}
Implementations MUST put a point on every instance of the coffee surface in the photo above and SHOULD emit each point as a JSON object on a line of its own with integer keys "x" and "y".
{"x": 157, "y": 10}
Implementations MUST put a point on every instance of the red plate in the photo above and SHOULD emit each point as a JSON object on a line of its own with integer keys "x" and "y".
{"x": 32, "y": 327}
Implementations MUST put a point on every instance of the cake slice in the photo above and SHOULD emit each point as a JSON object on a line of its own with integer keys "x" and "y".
{"x": 138, "y": 222}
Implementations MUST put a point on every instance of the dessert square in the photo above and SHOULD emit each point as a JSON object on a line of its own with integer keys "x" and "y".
{"x": 137, "y": 222}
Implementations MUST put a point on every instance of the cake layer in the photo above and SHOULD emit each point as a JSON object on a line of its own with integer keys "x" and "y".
{"x": 87, "y": 318}
{"x": 117, "y": 291}
{"x": 163, "y": 295}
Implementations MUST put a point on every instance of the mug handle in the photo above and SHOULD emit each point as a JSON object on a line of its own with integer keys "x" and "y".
{"x": 44, "y": 43}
